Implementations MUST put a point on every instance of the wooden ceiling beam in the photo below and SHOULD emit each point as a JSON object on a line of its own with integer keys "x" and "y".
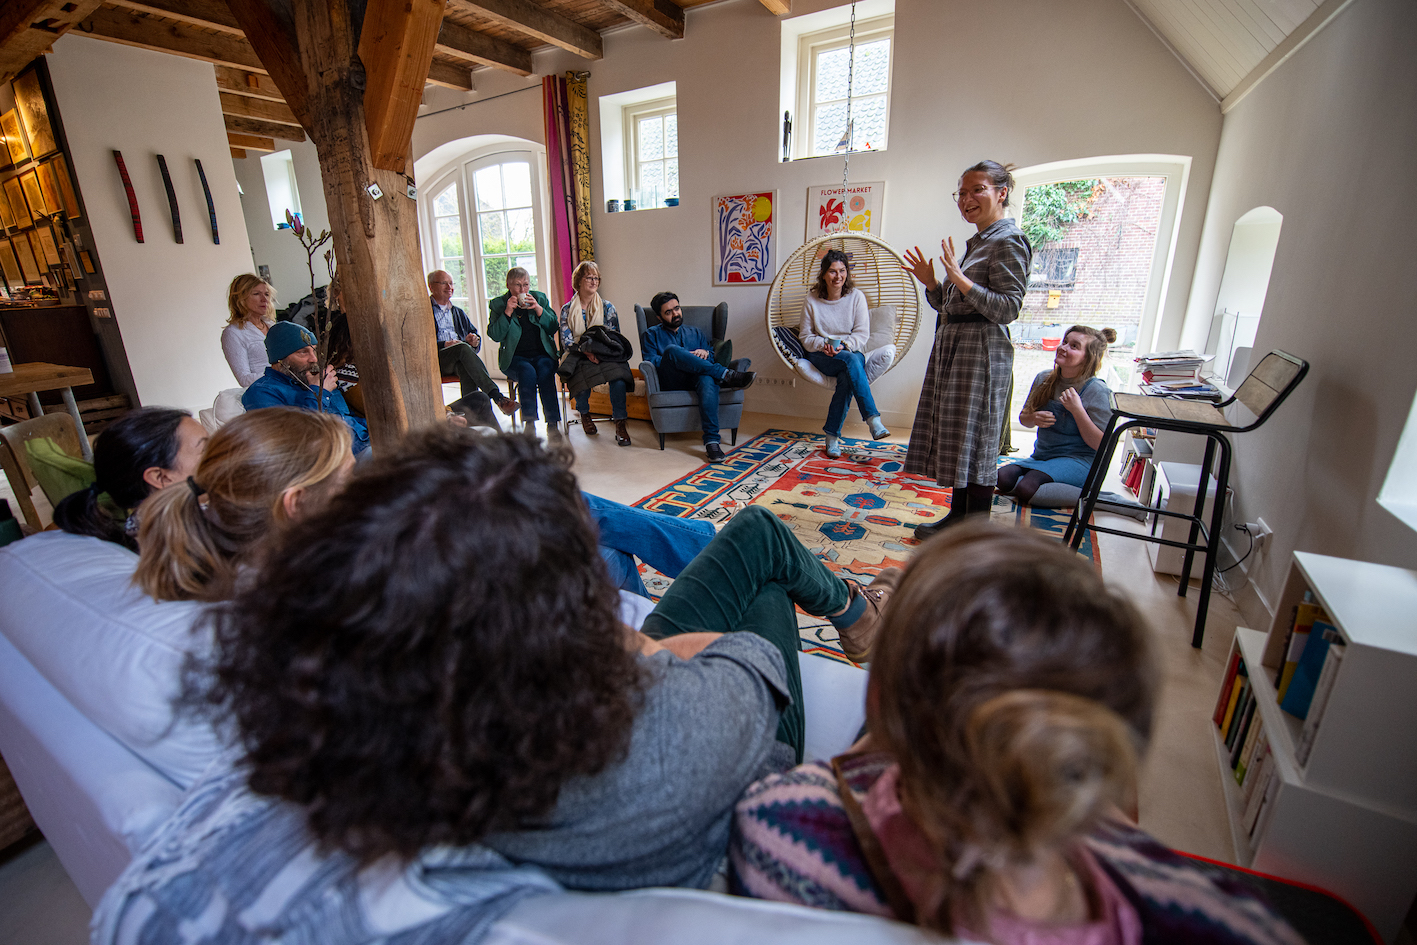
{"x": 239, "y": 153}
{"x": 450, "y": 76}
{"x": 254, "y": 85}
{"x": 29, "y": 27}
{"x": 472, "y": 46}
{"x": 526, "y": 17}
{"x": 778, "y": 7}
{"x": 207, "y": 14}
{"x": 270, "y": 31}
{"x": 180, "y": 39}
{"x": 244, "y": 106}
{"x": 396, "y": 46}
{"x": 663, "y": 16}
{"x": 250, "y": 142}
{"x": 263, "y": 129}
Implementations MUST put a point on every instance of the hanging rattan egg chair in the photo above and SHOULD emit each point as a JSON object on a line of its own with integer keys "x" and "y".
{"x": 877, "y": 271}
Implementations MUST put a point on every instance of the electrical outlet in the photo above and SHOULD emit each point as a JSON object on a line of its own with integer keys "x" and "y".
{"x": 775, "y": 381}
{"x": 1262, "y": 536}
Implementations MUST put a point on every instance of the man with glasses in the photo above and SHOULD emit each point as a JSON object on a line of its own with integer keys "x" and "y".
{"x": 458, "y": 343}
{"x": 683, "y": 359}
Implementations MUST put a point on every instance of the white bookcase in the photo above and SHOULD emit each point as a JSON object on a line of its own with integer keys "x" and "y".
{"x": 1345, "y": 821}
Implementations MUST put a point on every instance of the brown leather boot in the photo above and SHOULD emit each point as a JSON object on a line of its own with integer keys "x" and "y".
{"x": 588, "y": 425}
{"x": 858, "y": 639}
{"x": 622, "y": 435}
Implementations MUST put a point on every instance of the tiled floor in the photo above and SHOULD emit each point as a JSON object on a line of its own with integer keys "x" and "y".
{"x": 1181, "y": 801}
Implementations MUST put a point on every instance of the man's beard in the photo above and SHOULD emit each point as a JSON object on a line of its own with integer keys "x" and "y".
{"x": 676, "y": 321}
{"x": 308, "y": 375}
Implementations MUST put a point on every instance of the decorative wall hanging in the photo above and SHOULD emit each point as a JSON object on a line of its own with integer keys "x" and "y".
{"x": 18, "y": 207}
{"x": 29, "y": 180}
{"x": 67, "y": 194}
{"x": 10, "y": 263}
{"x": 7, "y": 216}
{"x": 842, "y": 208}
{"x": 580, "y": 158}
{"x": 743, "y": 230}
{"x": 29, "y": 98}
{"x": 171, "y": 199}
{"x": 49, "y": 247}
{"x": 211, "y": 207}
{"x": 28, "y": 265}
{"x": 132, "y": 197}
{"x": 14, "y": 142}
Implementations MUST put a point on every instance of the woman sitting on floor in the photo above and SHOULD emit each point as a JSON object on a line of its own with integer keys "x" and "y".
{"x": 1006, "y": 730}
{"x": 141, "y": 452}
{"x": 1070, "y": 405}
{"x": 389, "y": 670}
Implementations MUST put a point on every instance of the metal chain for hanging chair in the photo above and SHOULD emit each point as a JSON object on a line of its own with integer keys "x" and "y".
{"x": 850, "y": 79}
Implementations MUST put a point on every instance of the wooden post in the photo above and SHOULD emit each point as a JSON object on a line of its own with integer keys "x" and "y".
{"x": 312, "y": 58}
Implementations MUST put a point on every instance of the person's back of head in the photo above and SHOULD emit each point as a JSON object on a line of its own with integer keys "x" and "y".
{"x": 194, "y": 538}
{"x": 1016, "y": 693}
{"x": 434, "y": 653}
{"x": 141, "y": 440}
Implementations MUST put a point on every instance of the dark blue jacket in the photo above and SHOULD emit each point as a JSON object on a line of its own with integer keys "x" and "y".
{"x": 461, "y": 324}
{"x": 658, "y": 339}
{"x": 278, "y": 389}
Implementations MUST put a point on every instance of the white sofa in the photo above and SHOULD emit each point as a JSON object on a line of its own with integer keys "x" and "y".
{"x": 88, "y": 666}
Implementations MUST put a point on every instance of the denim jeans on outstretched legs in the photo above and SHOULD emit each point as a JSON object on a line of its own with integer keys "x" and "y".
{"x": 852, "y": 364}
{"x": 747, "y": 580}
{"x": 663, "y": 542}
{"x": 681, "y": 369}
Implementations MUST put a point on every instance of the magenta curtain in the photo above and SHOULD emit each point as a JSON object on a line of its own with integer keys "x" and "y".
{"x": 565, "y": 254}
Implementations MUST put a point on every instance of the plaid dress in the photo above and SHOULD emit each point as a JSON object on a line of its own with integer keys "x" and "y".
{"x": 964, "y": 400}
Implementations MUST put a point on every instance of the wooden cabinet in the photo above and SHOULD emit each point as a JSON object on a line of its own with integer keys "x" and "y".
{"x": 1346, "y": 819}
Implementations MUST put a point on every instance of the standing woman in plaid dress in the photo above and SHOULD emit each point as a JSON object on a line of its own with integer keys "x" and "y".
{"x": 964, "y": 399}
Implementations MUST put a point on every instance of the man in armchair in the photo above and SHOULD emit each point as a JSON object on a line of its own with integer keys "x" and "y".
{"x": 458, "y": 344}
{"x": 683, "y": 359}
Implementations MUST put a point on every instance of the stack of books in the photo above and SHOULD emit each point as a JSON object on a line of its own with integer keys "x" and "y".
{"x": 1246, "y": 744}
{"x": 1176, "y": 374}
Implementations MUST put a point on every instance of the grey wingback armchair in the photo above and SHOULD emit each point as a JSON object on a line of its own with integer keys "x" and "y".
{"x": 677, "y": 411}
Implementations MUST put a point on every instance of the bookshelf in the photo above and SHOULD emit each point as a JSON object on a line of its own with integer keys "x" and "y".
{"x": 1346, "y": 819}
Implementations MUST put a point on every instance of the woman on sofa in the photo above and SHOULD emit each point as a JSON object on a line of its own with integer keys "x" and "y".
{"x": 1006, "y": 731}
{"x": 141, "y": 452}
{"x": 251, "y": 311}
{"x": 385, "y": 668}
{"x": 262, "y": 470}
{"x": 1069, "y": 405}
{"x": 834, "y": 329}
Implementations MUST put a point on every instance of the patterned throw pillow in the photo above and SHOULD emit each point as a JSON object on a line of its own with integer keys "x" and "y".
{"x": 788, "y": 342}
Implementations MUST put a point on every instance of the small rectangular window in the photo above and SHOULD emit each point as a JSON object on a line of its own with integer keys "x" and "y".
{"x": 281, "y": 193}
{"x": 639, "y": 146}
{"x": 837, "y": 67}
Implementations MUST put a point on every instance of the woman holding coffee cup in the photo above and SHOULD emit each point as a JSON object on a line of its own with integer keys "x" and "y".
{"x": 524, "y": 324}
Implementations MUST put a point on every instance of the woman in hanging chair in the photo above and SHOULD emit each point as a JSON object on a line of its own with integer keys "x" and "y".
{"x": 964, "y": 401}
{"x": 587, "y": 310}
{"x": 834, "y": 329}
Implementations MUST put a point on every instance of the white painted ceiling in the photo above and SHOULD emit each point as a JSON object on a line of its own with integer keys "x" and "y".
{"x": 1226, "y": 41}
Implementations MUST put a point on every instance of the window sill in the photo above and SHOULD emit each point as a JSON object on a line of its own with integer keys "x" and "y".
{"x": 834, "y": 154}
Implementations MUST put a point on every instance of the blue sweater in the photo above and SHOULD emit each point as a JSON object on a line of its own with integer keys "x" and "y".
{"x": 278, "y": 389}
{"x": 658, "y": 339}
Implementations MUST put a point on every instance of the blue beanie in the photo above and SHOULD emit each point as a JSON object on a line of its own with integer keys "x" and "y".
{"x": 285, "y": 338}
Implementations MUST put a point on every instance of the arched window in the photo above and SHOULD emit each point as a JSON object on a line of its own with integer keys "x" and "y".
{"x": 484, "y": 216}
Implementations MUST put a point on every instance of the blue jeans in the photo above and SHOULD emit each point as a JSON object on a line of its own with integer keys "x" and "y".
{"x": 853, "y": 365}
{"x": 661, "y": 541}
{"x": 617, "y": 401}
{"x": 535, "y": 374}
{"x": 680, "y": 369}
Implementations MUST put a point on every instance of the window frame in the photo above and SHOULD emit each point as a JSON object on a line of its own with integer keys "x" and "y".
{"x": 630, "y": 123}
{"x": 810, "y": 47}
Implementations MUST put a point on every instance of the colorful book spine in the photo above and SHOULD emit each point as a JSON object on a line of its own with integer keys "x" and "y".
{"x": 1237, "y": 720}
{"x": 1242, "y": 731}
{"x": 1306, "y": 675}
{"x": 1247, "y": 750}
{"x": 1255, "y": 770}
{"x": 1223, "y": 701}
{"x": 1322, "y": 691}
{"x": 1304, "y": 616}
{"x": 1236, "y": 685}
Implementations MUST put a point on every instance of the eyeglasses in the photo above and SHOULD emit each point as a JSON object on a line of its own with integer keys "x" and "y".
{"x": 671, "y": 311}
{"x": 959, "y": 195}
{"x": 440, "y": 283}
{"x": 590, "y": 278}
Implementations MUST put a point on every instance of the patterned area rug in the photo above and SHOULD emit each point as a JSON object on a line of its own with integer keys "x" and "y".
{"x": 857, "y": 513}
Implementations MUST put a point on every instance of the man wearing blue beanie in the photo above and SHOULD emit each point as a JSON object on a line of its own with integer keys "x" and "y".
{"x": 293, "y": 380}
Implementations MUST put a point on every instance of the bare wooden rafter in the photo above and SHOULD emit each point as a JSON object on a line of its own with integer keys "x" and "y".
{"x": 663, "y": 16}
{"x": 526, "y": 17}
{"x": 235, "y": 124}
{"x": 29, "y": 27}
{"x": 396, "y": 47}
{"x": 472, "y": 46}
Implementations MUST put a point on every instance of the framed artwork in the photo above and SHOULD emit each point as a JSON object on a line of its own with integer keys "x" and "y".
{"x": 855, "y": 208}
{"x": 49, "y": 187}
{"x": 7, "y": 216}
{"x": 10, "y": 127}
{"x": 48, "y": 245}
{"x": 28, "y": 266}
{"x": 68, "y": 197}
{"x": 87, "y": 260}
{"x": 29, "y": 98}
{"x": 10, "y": 263}
{"x": 16, "y": 198}
{"x": 744, "y": 230}
{"x": 37, "y": 248}
{"x": 29, "y": 180}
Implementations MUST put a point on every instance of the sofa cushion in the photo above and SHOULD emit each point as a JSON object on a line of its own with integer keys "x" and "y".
{"x": 789, "y": 341}
{"x": 68, "y": 604}
{"x": 882, "y": 327}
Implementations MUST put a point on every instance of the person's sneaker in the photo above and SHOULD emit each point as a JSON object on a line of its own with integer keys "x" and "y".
{"x": 622, "y": 435}
{"x": 833, "y": 447}
{"x": 878, "y": 429}
{"x": 507, "y": 405}
{"x": 858, "y": 639}
{"x": 714, "y": 452}
{"x": 737, "y": 380}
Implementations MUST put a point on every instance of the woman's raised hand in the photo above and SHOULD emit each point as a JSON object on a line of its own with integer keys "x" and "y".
{"x": 920, "y": 267}
{"x": 947, "y": 256}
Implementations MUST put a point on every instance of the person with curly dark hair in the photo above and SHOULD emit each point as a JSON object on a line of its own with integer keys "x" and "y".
{"x": 439, "y": 712}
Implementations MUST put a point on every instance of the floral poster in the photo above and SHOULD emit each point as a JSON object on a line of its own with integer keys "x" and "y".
{"x": 834, "y": 208}
{"x": 743, "y": 231}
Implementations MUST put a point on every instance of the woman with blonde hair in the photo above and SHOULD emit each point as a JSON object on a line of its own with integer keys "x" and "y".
{"x": 1070, "y": 405}
{"x": 260, "y": 471}
{"x": 587, "y": 310}
{"x": 1010, "y": 702}
{"x": 251, "y": 302}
